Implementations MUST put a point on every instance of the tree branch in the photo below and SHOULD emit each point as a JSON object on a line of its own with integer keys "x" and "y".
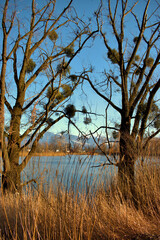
{"x": 148, "y": 108}
{"x": 8, "y": 106}
{"x": 150, "y": 137}
{"x": 144, "y": 86}
{"x": 142, "y": 29}
{"x": 40, "y": 135}
{"x": 109, "y": 161}
{"x": 102, "y": 96}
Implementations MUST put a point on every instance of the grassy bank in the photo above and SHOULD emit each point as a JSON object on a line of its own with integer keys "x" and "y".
{"x": 100, "y": 215}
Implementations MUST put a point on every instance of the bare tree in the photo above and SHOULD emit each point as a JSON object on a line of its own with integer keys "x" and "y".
{"x": 38, "y": 45}
{"x": 132, "y": 77}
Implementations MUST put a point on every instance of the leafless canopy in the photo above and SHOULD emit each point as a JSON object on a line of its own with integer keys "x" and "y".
{"x": 38, "y": 44}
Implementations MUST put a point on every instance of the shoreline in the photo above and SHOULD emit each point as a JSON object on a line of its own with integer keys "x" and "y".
{"x": 55, "y": 154}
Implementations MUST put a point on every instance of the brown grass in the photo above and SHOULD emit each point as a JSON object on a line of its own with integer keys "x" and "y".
{"x": 71, "y": 215}
{"x": 50, "y": 153}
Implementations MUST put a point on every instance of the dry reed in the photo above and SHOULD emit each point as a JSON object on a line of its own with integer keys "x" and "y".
{"x": 102, "y": 214}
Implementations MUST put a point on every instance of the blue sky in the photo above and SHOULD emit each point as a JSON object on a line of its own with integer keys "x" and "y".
{"x": 92, "y": 55}
{"x": 96, "y": 55}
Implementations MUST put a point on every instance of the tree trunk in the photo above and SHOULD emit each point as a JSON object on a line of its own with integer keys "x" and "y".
{"x": 126, "y": 167}
{"x": 126, "y": 178}
{"x": 11, "y": 180}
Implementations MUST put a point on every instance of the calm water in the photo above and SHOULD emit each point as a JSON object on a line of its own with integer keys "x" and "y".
{"x": 77, "y": 173}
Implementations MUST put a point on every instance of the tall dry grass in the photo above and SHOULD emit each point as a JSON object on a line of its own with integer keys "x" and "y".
{"x": 102, "y": 214}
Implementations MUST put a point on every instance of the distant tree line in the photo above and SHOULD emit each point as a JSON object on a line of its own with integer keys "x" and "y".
{"x": 60, "y": 144}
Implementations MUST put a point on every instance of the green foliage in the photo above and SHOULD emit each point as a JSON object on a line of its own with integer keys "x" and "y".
{"x": 84, "y": 110}
{"x": 58, "y": 95}
{"x": 30, "y": 66}
{"x": 113, "y": 55}
{"x": 70, "y": 110}
{"x": 54, "y": 93}
{"x": 138, "y": 70}
{"x": 62, "y": 67}
{"x": 154, "y": 114}
{"x": 50, "y": 121}
{"x": 137, "y": 58}
{"x": 115, "y": 134}
{"x": 141, "y": 109}
{"x": 6, "y": 128}
{"x": 154, "y": 111}
{"x": 149, "y": 62}
{"x": 155, "y": 108}
{"x": 73, "y": 78}
{"x": 49, "y": 92}
{"x": 135, "y": 39}
{"x": 53, "y": 35}
{"x": 67, "y": 90}
{"x": 87, "y": 120}
{"x": 117, "y": 125}
{"x": 69, "y": 51}
{"x": 156, "y": 123}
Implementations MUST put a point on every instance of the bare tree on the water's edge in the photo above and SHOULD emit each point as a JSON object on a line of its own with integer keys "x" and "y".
{"x": 35, "y": 76}
{"x": 133, "y": 55}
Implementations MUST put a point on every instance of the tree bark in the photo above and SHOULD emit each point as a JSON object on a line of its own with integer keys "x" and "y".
{"x": 126, "y": 171}
{"x": 11, "y": 180}
{"x": 126, "y": 178}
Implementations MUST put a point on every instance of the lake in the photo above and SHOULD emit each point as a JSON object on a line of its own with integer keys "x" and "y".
{"x": 75, "y": 172}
